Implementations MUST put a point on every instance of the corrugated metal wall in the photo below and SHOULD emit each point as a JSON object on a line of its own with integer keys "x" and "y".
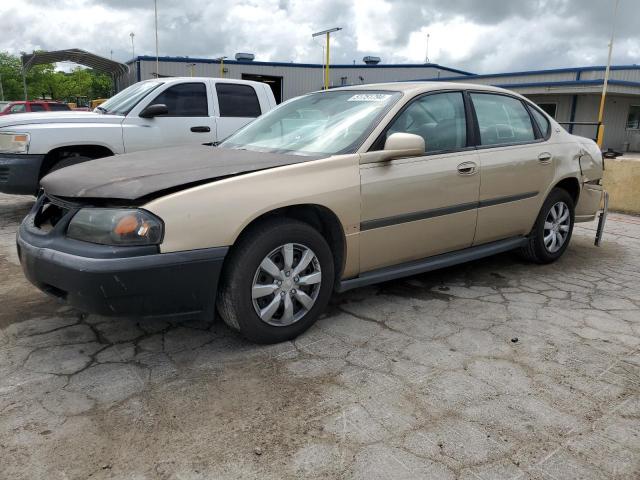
{"x": 296, "y": 80}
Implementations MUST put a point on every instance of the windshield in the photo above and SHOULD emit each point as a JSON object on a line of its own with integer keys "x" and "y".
{"x": 123, "y": 102}
{"x": 319, "y": 123}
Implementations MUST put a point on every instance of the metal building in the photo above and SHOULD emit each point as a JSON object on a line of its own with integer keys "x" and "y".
{"x": 568, "y": 94}
{"x": 287, "y": 80}
{"x": 572, "y": 95}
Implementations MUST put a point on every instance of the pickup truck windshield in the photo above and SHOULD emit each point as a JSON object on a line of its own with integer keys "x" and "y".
{"x": 319, "y": 123}
{"x": 123, "y": 102}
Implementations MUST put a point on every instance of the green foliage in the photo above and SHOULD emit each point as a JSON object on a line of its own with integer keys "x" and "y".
{"x": 44, "y": 82}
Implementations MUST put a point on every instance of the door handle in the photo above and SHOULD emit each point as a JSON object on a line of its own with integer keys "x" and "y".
{"x": 545, "y": 157}
{"x": 467, "y": 168}
{"x": 201, "y": 129}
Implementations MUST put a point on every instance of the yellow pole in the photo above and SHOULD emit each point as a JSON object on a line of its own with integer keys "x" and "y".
{"x": 600, "y": 136}
{"x": 326, "y": 71}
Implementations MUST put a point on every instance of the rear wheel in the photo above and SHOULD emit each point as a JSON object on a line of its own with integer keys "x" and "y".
{"x": 553, "y": 228}
{"x": 276, "y": 281}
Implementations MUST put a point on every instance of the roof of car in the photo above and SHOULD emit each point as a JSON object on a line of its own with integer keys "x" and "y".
{"x": 426, "y": 86}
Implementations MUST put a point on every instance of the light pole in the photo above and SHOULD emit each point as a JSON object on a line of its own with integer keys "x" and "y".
{"x": 155, "y": 9}
{"x": 133, "y": 48}
{"x": 605, "y": 83}
{"x": 221, "y": 60}
{"x": 326, "y": 68}
{"x": 1, "y": 89}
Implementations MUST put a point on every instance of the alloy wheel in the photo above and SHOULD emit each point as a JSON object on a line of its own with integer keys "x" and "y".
{"x": 286, "y": 284}
{"x": 557, "y": 227}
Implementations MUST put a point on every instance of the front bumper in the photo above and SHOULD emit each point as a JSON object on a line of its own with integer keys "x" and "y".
{"x": 120, "y": 280}
{"x": 20, "y": 173}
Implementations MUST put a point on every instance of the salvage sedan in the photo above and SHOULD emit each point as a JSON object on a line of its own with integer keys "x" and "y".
{"x": 330, "y": 191}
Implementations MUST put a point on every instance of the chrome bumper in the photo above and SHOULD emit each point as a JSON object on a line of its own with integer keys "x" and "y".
{"x": 602, "y": 219}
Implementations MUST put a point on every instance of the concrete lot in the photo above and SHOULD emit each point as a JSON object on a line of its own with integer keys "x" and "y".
{"x": 419, "y": 378}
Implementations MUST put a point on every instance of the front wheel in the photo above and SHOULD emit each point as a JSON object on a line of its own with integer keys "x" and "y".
{"x": 276, "y": 281}
{"x": 553, "y": 228}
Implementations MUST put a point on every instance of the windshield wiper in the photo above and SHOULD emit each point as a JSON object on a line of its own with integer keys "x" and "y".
{"x": 102, "y": 109}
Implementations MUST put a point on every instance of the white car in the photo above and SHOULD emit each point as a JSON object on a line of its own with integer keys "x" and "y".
{"x": 151, "y": 114}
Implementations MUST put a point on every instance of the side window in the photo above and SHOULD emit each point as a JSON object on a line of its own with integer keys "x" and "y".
{"x": 633, "y": 118}
{"x": 185, "y": 100}
{"x": 37, "y": 107}
{"x": 541, "y": 120}
{"x": 18, "y": 108}
{"x": 438, "y": 118}
{"x": 58, "y": 107}
{"x": 502, "y": 119}
{"x": 237, "y": 100}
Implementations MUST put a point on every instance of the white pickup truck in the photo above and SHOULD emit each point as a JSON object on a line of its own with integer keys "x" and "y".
{"x": 149, "y": 114}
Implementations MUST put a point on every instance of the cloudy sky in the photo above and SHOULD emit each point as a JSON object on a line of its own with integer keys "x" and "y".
{"x": 481, "y": 36}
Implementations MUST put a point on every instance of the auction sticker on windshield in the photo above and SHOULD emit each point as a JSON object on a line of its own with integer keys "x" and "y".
{"x": 369, "y": 97}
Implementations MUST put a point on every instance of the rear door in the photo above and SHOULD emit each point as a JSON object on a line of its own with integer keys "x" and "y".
{"x": 236, "y": 105}
{"x": 516, "y": 166}
{"x": 421, "y": 206}
{"x": 189, "y": 121}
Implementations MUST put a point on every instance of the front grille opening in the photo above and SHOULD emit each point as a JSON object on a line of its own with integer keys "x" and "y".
{"x": 49, "y": 215}
{"x": 4, "y": 174}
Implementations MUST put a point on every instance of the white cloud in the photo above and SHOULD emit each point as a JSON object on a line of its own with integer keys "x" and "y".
{"x": 487, "y": 36}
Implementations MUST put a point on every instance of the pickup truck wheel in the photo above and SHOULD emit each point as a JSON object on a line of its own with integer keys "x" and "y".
{"x": 276, "y": 281}
{"x": 68, "y": 161}
{"x": 553, "y": 228}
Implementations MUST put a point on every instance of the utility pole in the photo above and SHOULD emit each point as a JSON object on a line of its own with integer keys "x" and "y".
{"x": 1, "y": 89}
{"x": 605, "y": 83}
{"x": 155, "y": 8}
{"x": 426, "y": 57}
{"x": 221, "y": 60}
{"x": 326, "y": 68}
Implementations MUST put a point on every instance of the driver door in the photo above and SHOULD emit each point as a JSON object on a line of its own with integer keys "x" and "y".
{"x": 417, "y": 207}
{"x": 189, "y": 120}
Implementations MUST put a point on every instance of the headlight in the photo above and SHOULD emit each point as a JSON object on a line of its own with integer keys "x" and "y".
{"x": 11, "y": 142}
{"x": 115, "y": 226}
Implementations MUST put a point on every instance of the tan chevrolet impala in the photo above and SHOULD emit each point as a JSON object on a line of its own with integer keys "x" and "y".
{"x": 329, "y": 191}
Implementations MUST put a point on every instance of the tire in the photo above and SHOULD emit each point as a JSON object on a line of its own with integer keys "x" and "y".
{"x": 243, "y": 277}
{"x": 539, "y": 251}
{"x": 68, "y": 161}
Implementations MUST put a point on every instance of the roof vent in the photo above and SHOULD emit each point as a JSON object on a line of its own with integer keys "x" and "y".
{"x": 245, "y": 57}
{"x": 369, "y": 60}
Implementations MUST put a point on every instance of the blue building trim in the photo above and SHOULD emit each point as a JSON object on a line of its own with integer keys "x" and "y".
{"x": 569, "y": 83}
{"x": 577, "y": 70}
{"x": 146, "y": 58}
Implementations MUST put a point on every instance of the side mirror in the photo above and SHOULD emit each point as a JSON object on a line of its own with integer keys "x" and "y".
{"x": 154, "y": 110}
{"x": 412, "y": 144}
{"x": 397, "y": 145}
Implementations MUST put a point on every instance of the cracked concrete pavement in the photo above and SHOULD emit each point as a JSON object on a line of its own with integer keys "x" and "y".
{"x": 492, "y": 370}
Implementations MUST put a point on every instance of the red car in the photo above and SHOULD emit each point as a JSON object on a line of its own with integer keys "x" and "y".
{"x": 7, "y": 108}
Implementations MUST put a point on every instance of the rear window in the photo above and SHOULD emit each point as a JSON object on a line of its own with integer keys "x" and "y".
{"x": 237, "y": 100}
{"x": 58, "y": 107}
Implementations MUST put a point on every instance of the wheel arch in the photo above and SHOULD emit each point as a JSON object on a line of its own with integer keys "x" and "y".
{"x": 323, "y": 219}
{"x": 572, "y": 186}
{"x": 59, "y": 153}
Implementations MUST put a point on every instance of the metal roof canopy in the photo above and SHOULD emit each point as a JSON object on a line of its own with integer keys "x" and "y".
{"x": 75, "y": 55}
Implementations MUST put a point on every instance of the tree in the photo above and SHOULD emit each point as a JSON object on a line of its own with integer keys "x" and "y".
{"x": 43, "y": 81}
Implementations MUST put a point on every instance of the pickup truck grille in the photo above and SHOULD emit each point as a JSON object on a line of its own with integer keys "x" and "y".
{"x": 4, "y": 174}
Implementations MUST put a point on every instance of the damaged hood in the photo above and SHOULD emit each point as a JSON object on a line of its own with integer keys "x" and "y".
{"x": 140, "y": 174}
